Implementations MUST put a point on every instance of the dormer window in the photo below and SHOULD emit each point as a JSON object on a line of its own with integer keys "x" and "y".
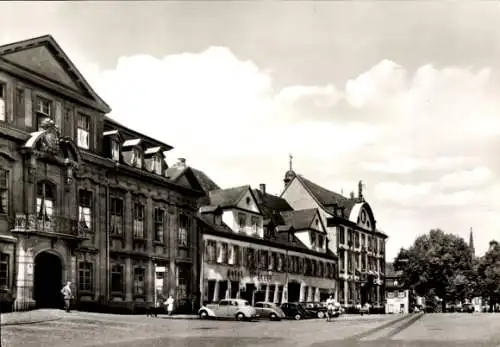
{"x": 83, "y": 131}
{"x": 112, "y": 144}
{"x": 115, "y": 150}
{"x": 154, "y": 159}
{"x": 132, "y": 153}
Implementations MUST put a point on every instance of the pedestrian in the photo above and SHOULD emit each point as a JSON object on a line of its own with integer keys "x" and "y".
{"x": 330, "y": 303}
{"x": 67, "y": 295}
{"x": 170, "y": 305}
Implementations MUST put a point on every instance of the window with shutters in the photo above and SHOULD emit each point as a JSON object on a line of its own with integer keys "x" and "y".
{"x": 138, "y": 228}
{"x": 159, "y": 224}
{"x": 116, "y": 216}
{"x": 4, "y": 191}
{"x": 3, "y": 97}
{"x": 85, "y": 209}
{"x": 83, "y": 131}
{"x": 183, "y": 231}
{"x": 211, "y": 248}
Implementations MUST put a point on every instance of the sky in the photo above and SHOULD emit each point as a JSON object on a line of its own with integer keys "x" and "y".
{"x": 401, "y": 95}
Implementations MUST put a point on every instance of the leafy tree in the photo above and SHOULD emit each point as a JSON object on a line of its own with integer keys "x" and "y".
{"x": 488, "y": 274}
{"x": 438, "y": 264}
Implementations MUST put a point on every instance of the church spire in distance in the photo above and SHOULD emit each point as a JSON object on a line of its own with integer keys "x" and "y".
{"x": 290, "y": 174}
{"x": 471, "y": 243}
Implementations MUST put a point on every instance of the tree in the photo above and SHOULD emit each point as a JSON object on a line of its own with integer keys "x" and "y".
{"x": 438, "y": 263}
{"x": 488, "y": 274}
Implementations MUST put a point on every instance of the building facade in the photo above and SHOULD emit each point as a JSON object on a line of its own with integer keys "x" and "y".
{"x": 257, "y": 248}
{"x": 352, "y": 236}
{"x": 397, "y": 296}
{"x": 83, "y": 198}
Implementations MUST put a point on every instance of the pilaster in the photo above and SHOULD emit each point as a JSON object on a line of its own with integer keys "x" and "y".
{"x": 129, "y": 278}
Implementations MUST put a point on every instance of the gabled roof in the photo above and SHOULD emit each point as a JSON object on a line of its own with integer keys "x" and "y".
{"x": 206, "y": 184}
{"x": 326, "y": 198}
{"x": 65, "y": 73}
{"x": 300, "y": 219}
{"x": 271, "y": 206}
{"x": 228, "y": 197}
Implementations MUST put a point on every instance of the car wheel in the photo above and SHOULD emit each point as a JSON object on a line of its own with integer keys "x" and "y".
{"x": 203, "y": 314}
{"x": 240, "y": 316}
{"x": 297, "y": 317}
{"x": 273, "y": 316}
{"x": 321, "y": 314}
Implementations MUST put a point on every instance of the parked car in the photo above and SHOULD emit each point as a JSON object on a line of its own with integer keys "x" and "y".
{"x": 228, "y": 308}
{"x": 6, "y": 300}
{"x": 269, "y": 310}
{"x": 297, "y": 311}
{"x": 317, "y": 307}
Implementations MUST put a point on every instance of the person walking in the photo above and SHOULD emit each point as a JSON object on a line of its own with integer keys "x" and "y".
{"x": 67, "y": 295}
{"x": 170, "y": 305}
{"x": 330, "y": 306}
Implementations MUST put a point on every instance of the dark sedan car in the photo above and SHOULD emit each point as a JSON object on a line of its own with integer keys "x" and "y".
{"x": 297, "y": 311}
{"x": 319, "y": 308}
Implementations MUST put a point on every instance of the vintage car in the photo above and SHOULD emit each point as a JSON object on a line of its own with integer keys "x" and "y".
{"x": 296, "y": 311}
{"x": 228, "y": 308}
{"x": 269, "y": 310}
{"x": 319, "y": 308}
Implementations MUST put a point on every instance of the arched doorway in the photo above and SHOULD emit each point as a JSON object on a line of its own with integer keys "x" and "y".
{"x": 48, "y": 281}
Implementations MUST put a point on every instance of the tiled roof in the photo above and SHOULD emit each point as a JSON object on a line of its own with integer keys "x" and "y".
{"x": 299, "y": 219}
{"x": 227, "y": 197}
{"x": 271, "y": 206}
{"x": 205, "y": 182}
{"x": 175, "y": 172}
{"x": 326, "y": 197}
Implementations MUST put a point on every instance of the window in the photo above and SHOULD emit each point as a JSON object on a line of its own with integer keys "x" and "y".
{"x": 280, "y": 262}
{"x": 4, "y": 191}
{"x": 138, "y": 221}
{"x": 313, "y": 239}
{"x": 363, "y": 262}
{"x": 44, "y": 202}
{"x": 85, "y": 209}
{"x": 236, "y": 254}
{"x": 4, "y": 270}
{"x": 156, "y": 164}
{"x": 3, "y": 97}
{"x": 263, "y": 260}
{"x": 19, "y": 104}
{"x": 83, "y": 131}
{"x": 117, "y": 283}
{"x": 137, "y": 158}
{"x": 341, "y": 260}
{"x": 222, "y": 253}
{"x": 218, "y": 219}
{"x": 363, "y": 241}
{"x": 231, "y": 255}
{"x": 139, "y": 274}
{"x": 341, "y": 235}
{"x": 116, "y": 216}
{"x": 43, "y": 110}
{"x": 159, "y": 220}
{"x": 211, "y": 246}
{"x": 242, "y": 221}
{"x": 254, "y": 224}
{"x": 85, "y": 276}
{"x": 271, "y": 263}
{"x": 115, "y": 150}
{"x": 182, "y": 233}
{"x": 356, "y": 239}
{"x": 321, "y": 241}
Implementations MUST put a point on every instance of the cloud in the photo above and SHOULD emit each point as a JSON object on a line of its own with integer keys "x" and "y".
{"x": 419, "y": 140}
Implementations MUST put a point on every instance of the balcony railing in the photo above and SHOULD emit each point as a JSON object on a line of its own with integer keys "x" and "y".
{"x": 54, "y": 225}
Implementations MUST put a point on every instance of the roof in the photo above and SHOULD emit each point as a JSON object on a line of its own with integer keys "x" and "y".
{"x": 205, "y": 182}
{"x": 271, "y": 206}
{"x": 152, "y": 150}
{"x": 70, "y": 69}
{"x": 299, "y": 219}
{"x": 390, "y": 271}
{"x": 227, "y": 197}
{"x": 111, "y": 124}
{"x": 327, "y": 198}
{"x": 131, "y": 142}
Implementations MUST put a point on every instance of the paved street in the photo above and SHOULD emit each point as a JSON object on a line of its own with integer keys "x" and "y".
{"x": 90, "y": 329}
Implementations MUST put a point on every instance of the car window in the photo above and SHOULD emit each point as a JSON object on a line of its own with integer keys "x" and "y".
{"x": 223, "y": 303}
{"x": 244, "y": 303}
{"x": 259, "y": 305}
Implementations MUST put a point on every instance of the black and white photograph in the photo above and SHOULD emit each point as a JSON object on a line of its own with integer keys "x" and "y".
{"x": 250, "y": 173}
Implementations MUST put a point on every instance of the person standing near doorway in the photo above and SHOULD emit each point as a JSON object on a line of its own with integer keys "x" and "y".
{"x": 67, "y": 295}
{"x": 169, "y": 303}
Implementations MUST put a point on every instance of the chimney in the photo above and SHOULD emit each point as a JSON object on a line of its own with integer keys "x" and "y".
{"x": 181, "y": 162}
{"x": 360, "y": 191}
{"x": 262, "y": 188}
{"x": 352, "y": 195}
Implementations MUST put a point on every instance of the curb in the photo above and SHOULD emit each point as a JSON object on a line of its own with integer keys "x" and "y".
{"x": 30, "y": 322}
{"x": 179, "y": 317}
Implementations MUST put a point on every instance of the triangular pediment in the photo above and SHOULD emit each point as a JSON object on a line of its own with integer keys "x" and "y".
{"x": 43, "y": 57}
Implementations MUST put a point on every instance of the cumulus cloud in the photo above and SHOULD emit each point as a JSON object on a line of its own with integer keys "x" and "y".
{"x": 417, "y": 139}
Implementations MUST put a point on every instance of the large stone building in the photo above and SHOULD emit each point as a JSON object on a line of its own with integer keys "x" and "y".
{"x": 84, "y": 198}
{"x": 352, "y": 234}
{"x": 256, "y": 247}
